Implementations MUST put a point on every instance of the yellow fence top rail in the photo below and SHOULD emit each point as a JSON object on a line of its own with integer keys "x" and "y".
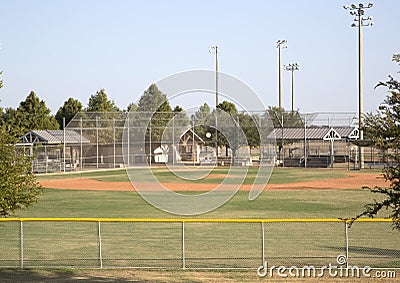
{"x": 193, "y": 220}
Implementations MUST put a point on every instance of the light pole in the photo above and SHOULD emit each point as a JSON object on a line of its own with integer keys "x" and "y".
{"x": 281, "y": 44}
{"x": 214, "y": 49}
{"x": 292, "y": 67}
{"x": 359, "y": 22}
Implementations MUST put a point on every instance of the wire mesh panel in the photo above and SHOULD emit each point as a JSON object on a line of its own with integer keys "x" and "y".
{"x": 10, "y": 251}
{"x": 299, "y": 244}
{"x": 137, "y": 244}
{"x": 223, "y": 245}
{"x": 63, "y": 244}
{"x": 175, "y": 244}
{"x": 374, "y": 244}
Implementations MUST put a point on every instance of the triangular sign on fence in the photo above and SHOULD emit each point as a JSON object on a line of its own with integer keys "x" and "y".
{"x": 332, "y": 135}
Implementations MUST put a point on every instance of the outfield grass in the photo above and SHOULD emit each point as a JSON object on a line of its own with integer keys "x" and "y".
{"x": 270, "y": 204}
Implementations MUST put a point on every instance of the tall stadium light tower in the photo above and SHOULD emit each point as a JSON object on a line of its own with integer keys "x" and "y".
{"x": 360, "y": 21}
{"x": 214, "y": 50}
{"x": 292, "y": 67}
{"x": 281, "y": 44}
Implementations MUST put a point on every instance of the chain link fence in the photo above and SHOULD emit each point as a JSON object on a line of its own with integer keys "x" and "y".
{"x": 196, "y": 243}
{"x": 118, "y": 139}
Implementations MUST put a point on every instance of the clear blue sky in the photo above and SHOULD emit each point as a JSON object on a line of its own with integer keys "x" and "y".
{"x": 73, "y": 48}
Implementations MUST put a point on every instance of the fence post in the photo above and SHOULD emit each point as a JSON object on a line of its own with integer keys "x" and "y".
{"x": 21, "y": 231}
{"x": 113, "y": 142}
{"x": 305, "y": 141}
{"x": 262, "y": 243}
{"x": 347, "y": 242}
{"x": 64, "y": 146}
{"x": 97, "y": 142}
{"x": 81, "y": 149}
{"x": 150, "y": 143}
{"x": 99, "y": 240}
{"x": 128, "y": 141}
{"x": 183, "y": 246}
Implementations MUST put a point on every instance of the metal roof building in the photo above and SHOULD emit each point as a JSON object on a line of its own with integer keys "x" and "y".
{"x": 319, "y": 133}
{"x": 53, "y": 137}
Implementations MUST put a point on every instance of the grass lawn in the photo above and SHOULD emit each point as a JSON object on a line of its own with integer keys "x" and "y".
{"x": 270, "y": 204}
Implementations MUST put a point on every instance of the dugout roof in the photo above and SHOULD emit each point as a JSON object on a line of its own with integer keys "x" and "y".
{"x": 318, "y": 133}
{"x": 53, "y": 137}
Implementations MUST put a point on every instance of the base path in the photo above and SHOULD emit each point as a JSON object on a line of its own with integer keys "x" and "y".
{"x": 353, "y": 181}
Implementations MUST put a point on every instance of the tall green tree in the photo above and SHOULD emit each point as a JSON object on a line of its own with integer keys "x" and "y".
{"x": 383, "y": 128}
{"x": 68, "y": 111}
{"x": 200, "y": 119}
{"x": 18, "y": 186}
{"x": 233, "y": 143}
{"x": 248, "y": 124}
{"x": 159, "y": 111}
{"x": 31, "y": 114}
{"x": 100, "y": 102}
{"x": 153, "y": 99}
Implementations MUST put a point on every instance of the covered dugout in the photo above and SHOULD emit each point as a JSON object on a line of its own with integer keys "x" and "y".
{"x": 54, "y": 150}
{"x": 315, "y": 146}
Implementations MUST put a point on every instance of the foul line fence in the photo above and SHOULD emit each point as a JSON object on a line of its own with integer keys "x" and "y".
{"x": 196, "y": 243}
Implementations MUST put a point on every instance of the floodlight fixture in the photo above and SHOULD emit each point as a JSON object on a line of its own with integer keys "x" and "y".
{"x": 213, "y": 49}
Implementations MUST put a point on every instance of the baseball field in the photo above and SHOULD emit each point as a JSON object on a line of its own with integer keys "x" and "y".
{"x": 290, "y": 194}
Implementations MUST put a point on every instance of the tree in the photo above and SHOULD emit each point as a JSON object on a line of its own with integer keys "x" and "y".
{"x": 1, "y": 109}
{"x": 132, "y": 107}
{"x": 155, "y": 103}
{"x": 68, "y": 111}
{"x": 249, "y": 127}
{"x": 99, "y": 102}
{"x": 152, "y": 99}
{"x": 384, "y": 130}
{"x": 200, "y": 118}
{"x": 283, "y": 119}
{"x": 289, "y": 119}
{"x": 177, "y": 109}
{"x": 18, "y": 186}
{"x": 31, "y": 114}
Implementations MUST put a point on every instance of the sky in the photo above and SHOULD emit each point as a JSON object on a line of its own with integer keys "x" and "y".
{"x": 62, "y": 49}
